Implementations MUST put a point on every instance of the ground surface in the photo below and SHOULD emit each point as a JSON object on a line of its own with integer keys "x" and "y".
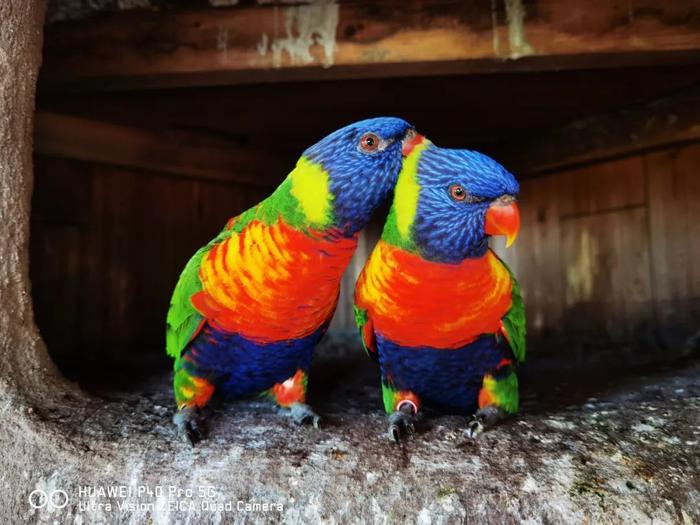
{"x": 588, "y": 447}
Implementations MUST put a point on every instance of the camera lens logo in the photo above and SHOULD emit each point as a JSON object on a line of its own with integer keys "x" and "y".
{"x": 39, "y": 499}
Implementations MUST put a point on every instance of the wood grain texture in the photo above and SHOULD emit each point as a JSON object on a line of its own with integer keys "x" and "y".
{"x": 536, "y": 256}
{"x": 182, "y": 154}
{"x": 602, "y": 187}
{"x": 108, "y": 245}
{"x": 605, "y": 259}
{"x": 56, "y": 272}
{"x": 674, "y": 205}
{"x": 659, "y": 124}
{"x": 483, "y": 112}
{"x": 608, "y": 254}
{"x": 362, "y": 39}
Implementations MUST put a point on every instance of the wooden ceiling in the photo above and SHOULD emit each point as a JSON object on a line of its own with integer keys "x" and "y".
{"x": 277, "y": 40}
{"x": 476, "y": 74}
{"x": 458, "y": 111}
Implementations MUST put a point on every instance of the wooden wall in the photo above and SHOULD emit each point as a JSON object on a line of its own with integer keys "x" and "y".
{"x": 107, "y": 246}
{"x": 609, "y": 254}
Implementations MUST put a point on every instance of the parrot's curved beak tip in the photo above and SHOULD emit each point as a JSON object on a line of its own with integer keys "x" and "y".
{"x": 503, "y": 218}
{"x": 410, "y": 141}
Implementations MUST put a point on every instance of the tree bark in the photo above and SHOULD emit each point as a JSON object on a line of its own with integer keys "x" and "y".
{"x": 22, "y": 353}
{"x": 30, "y": 385}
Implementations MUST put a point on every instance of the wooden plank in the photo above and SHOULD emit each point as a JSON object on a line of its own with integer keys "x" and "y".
{"x": 120, "y": 215}
{"x": 56, "y": 274}
{"x": 535, "y": 258}
{"x": 142, "y": 230}
{"x": 658, "y": 125}
{"x": 674, "y": 230}
{"x": 217, "y": 203}
{"x": 582, "y": 257}
{"x": 108, "y": 245}
{"x": 62, "y": 191}
{"x": 181, "y": 154}
{"x": 602, "y": 187}
{"x": 159, "y": 253}
{"x": 252, "y": 44}
{"x": 93, "y": 325}
{"x": 454, "y": 111}
{"x": 608, "y": 296}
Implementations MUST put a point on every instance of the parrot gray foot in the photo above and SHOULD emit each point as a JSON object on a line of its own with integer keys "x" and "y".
{"x": 190, "y": 424}
{"x": 484, "y": 419}
{"x": 303, "y": 414}
{"x": 402, "y": 422}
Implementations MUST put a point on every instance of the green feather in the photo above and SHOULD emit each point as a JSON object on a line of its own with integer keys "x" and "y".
{"x": 183, "y": 319}
{"x": 360, "y": 316}
{"x": 361, "y": 321}
{"x": 282, "y": 204}
{"x": 389, "y": 397}
{"x": 391, "y": 234}
{"x": 504, "y": 391}
{"x": 514, "y": 322}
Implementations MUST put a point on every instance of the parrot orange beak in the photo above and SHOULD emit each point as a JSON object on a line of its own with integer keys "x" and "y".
{"x": 410, "y": 141}
{"x": 503, "y": 218}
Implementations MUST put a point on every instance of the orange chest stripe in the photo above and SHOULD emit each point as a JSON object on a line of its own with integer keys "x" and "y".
{"x": 272, "y": 282}
{"x": 415, "y": 302}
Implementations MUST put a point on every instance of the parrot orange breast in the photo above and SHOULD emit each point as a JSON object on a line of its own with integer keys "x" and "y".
{"x": 271, "y": 282}
{"x": 415, "y": 302}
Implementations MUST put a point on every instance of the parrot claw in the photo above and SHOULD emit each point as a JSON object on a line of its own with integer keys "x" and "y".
{"x": 303, "y": 414}
{"x": 194, "y": 433}
{"x": 190, "y": 424}
{"x": 401, "y": 422}
{"x": 484, "y": 419}
{"x": 474, "y": 427}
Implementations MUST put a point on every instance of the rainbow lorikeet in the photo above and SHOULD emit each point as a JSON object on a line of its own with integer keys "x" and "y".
{"x": 435, "y": 306}
{"x": 251, "y": 305}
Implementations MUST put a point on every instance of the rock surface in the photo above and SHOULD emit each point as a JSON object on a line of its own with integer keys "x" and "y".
{"x": 586, "y": 448}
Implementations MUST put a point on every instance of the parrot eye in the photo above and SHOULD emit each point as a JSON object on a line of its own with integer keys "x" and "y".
{"x": 369, "y": 143}
{"x": 458, "y": 193}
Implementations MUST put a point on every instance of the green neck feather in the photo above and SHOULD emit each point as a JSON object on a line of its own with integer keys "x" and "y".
{"x": 398, "y": 229}
{"x": 303, "y": 200}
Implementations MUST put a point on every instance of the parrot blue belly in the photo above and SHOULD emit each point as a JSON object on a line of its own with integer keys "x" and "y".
{"x": 242, "y": 368}
{"x": 448, "y": 380}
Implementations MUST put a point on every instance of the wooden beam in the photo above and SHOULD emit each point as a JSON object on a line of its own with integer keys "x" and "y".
{"x": 180, "y": 154}
{"x": 324, "y": 40}
{"x": 658, "y": 125}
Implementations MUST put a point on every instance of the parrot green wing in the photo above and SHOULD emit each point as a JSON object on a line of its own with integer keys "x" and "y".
{"x": 184, "y": 320}
{"x": 366, "y": 327}
{"x": 514, "y": 327}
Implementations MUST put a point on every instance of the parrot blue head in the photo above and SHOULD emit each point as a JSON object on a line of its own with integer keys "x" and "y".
{"x": 362, "y": 161}
{"x": 463, "y": 198}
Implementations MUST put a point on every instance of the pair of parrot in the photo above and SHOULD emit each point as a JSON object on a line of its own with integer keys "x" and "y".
{"x": 438, "y": 310}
